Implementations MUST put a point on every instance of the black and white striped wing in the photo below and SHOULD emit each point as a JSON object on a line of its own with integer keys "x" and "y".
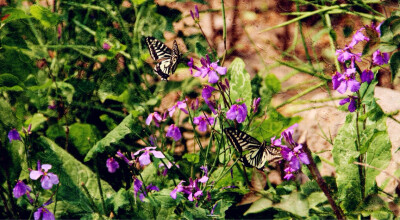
{"x": 257, "y": 153}
{"x": 158, "y": 50}
{"x": 162, "y": 69}
{"x": 168, "y": 59}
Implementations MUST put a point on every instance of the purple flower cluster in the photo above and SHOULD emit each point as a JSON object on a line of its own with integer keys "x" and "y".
{"x": 43, "y": 213}
{"x": 202, "y": 121}
{"x": 293, "y": 153}
{"x": 137, "y": 187}
{"x": 348, "y": 80}
{"x": 192, "y": 190}
{"x": 208, "y": 68}
{"x": 21, "y": 189}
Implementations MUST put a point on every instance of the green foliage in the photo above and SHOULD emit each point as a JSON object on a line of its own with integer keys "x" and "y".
{"x": 240, "y": 86}
{"x": 82, "y": 136}
{"x": 113, "y": 137}
{"x": 374, "y": 142}
{"x": 44, "y": 15}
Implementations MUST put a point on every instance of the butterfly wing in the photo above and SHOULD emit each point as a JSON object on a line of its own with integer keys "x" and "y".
{"x": 162, "y": 69}
{"x": 257, "y": 153}
{"x": 168, "y": 59}
{"x": 158, "y": 50}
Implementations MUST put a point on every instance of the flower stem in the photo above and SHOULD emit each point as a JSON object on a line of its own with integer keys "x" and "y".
{"x": 93, "y": 205}
{"x": 322, "y": 184}
{"x": 100, "y": 188}
{"x": 224, "y": 31}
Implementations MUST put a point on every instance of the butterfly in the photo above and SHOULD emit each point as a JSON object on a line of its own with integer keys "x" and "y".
{"x": 257, "y": 153}
{"x": 167, "y": 59}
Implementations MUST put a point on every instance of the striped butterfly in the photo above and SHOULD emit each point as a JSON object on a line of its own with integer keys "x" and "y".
{"x": 167, "y": 59}
{"x": 257, "y": 153}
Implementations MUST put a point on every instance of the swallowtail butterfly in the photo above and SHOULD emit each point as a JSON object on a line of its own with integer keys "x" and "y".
{"x": 257, "y": 153}
{"x": 167, "y": 59}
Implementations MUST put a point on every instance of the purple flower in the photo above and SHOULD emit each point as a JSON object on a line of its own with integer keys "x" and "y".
{"x": 346, "y": 80}
{"x": 178, "y": 188}
{"x": 169, "y": 165}
{"x": 153, "y": 140}
{"x": 151, "y": 187}
{"x": 144, "y": 159}
{"x": 204, "y": 178}
{"x": 181, "y": 105}
{"x": 195, "y": 104}
{"x": 14, "y": 135}
{"x": 210, "y": 69}
{"x": 207, "y": 92}
{"x": 358, "y": 37}
{"x": 48, "y": 179}
{"x": 202, "y": 121}
{"x": 289, "y": 173}
{"x": 345, "y": 54}
{"x": 238, "y": 112}
{"x": 43, "y": 213}
{"x": 21, "y": 189}
{"x": 193, "y": 190}
{"x": 156, "y": 117}
{"x": 296, "y": 157}
{"x": 124, "y": 158}
{"x": 367, "y": 76}
{"x": 137, "y": 185}
{"x": 353, "y": 105}
{"x": 211, "y": 105}
{"x": 379, "y": 58}
{"x": 27, "y": 131}
{"x": 174, "y": 132}
{"x": 112, "y": 165}
{"x": 106, "y": 46}
{"x": 52, "y": 106}
{"x": 256, "y": 103}
{"x": 288, "y": 135}
{"x": 276, "y": 142}
{"x": 196, "y": 15}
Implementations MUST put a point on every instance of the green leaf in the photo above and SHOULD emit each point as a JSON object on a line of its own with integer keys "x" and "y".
{"x": 259, "y": 206}
{"x": 294, "y": 204}
{"x": 37, "y": 121}
{"x": 67, "y": 90}
{"x": 7, "y": 117}
{"x": 220, "y": 207}
{"x": 113, "y": 137}
{"x": 9, "y": 82}
{"x": 395, "y": 64}
{"x": 240, "y": 86}
{"x": 13, "y": 14}
{"x": 272, "y": 83}
{"x": 201, "y": 50}
{"x": 375, "y": 143}
{"x": 82, "y": 136}
{"x": 44, "y": 15}
{"x": 121, "y": 200}
{"x": 192, "y": 158}
{"x": 72, "y": 201}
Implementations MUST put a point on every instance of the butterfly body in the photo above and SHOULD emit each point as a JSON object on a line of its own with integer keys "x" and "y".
{"x": 167, "y": 59}
{"x": 256, "y": 153}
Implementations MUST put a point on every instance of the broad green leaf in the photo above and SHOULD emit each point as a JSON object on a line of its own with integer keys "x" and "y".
{"x": 193, "y": 212}
{"x": 7, "y": 117}
{"x": 44, "y": 15}
{"x": 375, "y": 143}
{"x": 240, "y": 86}
{"x": 259, "y": 206}
{"x": 120, "y": 200}
{"x": 113, "y": 137}
{"x": 83, "y": 136}
{"x": 55, "y": 131}
{"x": 12, "y": 14}
{"x": 67, "y": 90}
{"x": 344, "y": 153}
{"x": 192, "y": 158}
{"x": 71, "y": 173}
{"x": 395, "y": 64}
{"x": 112, "y": 88}
{"x": 220, "y": 207}
{"x": 36, "y": 121}
{"x": 9, "y": 82}
{"x": 316, "y": 198}
{"x": 294, "y": 204}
